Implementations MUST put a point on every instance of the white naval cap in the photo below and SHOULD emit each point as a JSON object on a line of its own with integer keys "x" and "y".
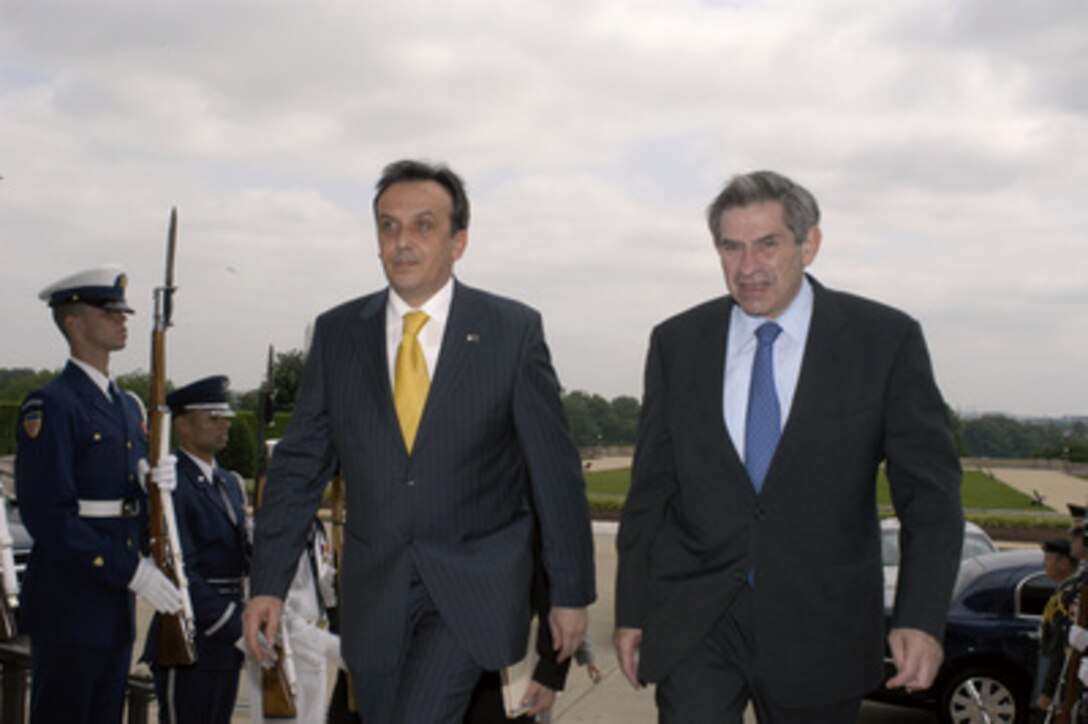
{"x": 101, "y": 286}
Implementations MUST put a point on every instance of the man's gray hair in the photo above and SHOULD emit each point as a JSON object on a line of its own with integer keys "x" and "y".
{"x": 800, "y": 208}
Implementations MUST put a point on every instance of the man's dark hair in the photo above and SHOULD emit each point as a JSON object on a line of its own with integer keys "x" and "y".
{"x": 61, "y": 312}
{"x": 800, "y": 208}
{"x": 409, "y": 170}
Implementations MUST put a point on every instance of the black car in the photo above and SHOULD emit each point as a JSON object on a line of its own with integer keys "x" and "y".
{"x": 991, "y": 644}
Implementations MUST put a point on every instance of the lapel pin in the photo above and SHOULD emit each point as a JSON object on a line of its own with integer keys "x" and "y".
{"x": 472, "y": 337}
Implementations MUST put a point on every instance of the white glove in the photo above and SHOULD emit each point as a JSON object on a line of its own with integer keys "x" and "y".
{"x": 165, "y": 474}
{"x": 312, "y": 644}
{"x": 1082, "y": 672}
{"x": 152, "y": 585}
{"x": 262, "y": 641}
{"x": 1078, "y": 637}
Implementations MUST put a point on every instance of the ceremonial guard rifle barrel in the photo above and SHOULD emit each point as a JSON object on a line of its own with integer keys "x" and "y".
{"x": 176, "y": 644}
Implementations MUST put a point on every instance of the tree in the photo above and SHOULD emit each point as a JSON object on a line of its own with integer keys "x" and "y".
{"x": 139, "y": 382}
{"x": 286, "y": 376}
{"x": 16, "y": 384}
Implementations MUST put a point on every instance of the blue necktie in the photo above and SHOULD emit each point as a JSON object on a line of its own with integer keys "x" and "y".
{"x": 763, "y": 424}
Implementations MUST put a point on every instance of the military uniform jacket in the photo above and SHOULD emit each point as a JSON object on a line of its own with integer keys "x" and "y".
{"x": 215, "y": 549}
{"x": 74, "y": 444}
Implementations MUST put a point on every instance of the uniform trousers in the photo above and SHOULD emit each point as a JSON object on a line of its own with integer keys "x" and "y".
{"x": 195, "y": 695}
{"x": 435, "y": 679}
{"x": 78, "y": 684}
{"x": 717, "y": 679}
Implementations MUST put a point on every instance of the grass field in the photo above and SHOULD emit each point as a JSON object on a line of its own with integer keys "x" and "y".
{"x": 979, "y": 491}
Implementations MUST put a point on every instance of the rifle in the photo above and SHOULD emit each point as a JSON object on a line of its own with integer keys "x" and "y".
{"x": 9, "y": 601}
{"x": 176, "y": 642}
{"x": 1062, "y": 709}
{"x": 278, "y": 682}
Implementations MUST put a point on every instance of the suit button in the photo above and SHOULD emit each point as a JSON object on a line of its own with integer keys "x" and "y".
{"x": 128, "y": 543}
{"x": 410, "y": 483}
{"x": 128, "y": 444}
{"x": 759, "y": 514}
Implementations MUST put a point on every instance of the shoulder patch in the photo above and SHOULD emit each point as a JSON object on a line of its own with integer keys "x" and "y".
{"x": 32, "y": 423}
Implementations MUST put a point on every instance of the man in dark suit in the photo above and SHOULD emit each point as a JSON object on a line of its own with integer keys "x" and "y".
{"x": 78, "y": 469}
{"x": 749, "y": 549}
{"x": 439, "y": 404}
{"x": 209, "y": 504}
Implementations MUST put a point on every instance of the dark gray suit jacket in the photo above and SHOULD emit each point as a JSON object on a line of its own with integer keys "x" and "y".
{"x": 455, "y": 511}
{"x": 693, "y": 526}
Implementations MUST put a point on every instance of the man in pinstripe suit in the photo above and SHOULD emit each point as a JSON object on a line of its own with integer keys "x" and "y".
{"x": 438, "y": 545}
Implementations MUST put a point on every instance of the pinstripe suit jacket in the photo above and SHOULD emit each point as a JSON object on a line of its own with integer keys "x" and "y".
{"x": 456, "y": 510}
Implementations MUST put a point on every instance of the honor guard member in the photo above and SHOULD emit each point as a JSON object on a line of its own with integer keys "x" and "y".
{"x": 79, "y": 469}
{"x": 210, "y": 510}
{"x": 313, "y": 647}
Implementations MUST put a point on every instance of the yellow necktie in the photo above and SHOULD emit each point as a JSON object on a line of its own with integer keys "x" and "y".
{"x": 410, "y": 381}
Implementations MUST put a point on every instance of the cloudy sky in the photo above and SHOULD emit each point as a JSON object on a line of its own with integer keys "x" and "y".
{"x": 947, "y": 142}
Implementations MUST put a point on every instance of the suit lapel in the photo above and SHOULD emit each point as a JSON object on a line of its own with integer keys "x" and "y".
{"x": 709, "y": 377}
{"x": 460, "y": 341}
{"x": 817, "y": 375}
{"x": 369, "y": 344}
{"x": 205, "y": 486}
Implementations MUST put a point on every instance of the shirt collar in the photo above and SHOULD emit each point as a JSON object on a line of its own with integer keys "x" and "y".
{"x": 794, "y": 320}
{"x": 100, "y": 380}
{"x": 205, "y": 469}
{"x": 437, "y": 307}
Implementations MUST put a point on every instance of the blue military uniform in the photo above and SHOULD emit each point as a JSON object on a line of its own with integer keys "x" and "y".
{"x": 76, "y": 473}
{"x": 212, "y": 529}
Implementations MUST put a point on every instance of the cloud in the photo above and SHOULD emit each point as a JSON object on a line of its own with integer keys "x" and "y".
{"x": 942, "y": 141}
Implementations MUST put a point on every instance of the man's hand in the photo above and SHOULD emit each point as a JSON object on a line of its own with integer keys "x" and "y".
{"x": 917, "y": 657}
{"x": 627, "y": 641}
{"x": 538, "y": 698}
{"x": 262, "y": 616}
{"x": 568, "y": 627}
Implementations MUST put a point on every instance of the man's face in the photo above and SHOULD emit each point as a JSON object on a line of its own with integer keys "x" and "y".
{"x": 1052, "y": 565}
{"x": 97, "y": 328}
{"x": 203, "y": 433}
{"x": 416, "y": 246}
{"x": 762, "y": 261}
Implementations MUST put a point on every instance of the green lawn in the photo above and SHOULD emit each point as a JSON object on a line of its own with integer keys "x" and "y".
{"x": 979, "y": 491}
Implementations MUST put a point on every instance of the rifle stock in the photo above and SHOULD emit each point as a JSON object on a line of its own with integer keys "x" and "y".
{"x": 277, "y": 700}
{"x": 176, "y": 642}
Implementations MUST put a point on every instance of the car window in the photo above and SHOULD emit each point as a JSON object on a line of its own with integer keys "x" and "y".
{"x": 1033, "y": 593}
{"x": 975, "y": 545}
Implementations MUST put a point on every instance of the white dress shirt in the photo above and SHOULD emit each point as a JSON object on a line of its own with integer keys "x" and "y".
{"x": 740, "y": 354}
{"x": 100, "y": 380}
{"x": 437, "y": 309}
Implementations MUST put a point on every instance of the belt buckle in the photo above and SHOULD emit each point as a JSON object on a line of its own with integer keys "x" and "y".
{"x": 130, "y": 508}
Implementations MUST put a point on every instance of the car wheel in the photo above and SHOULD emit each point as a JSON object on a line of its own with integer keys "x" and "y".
{"x": 982, "y": 694}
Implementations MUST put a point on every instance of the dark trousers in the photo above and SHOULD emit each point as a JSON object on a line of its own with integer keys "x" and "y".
{"x": 434, "y": 681}
{"x": 194, "y": 695}
{"x": 717, "y": 680}
{"x": 76, "y": 684}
